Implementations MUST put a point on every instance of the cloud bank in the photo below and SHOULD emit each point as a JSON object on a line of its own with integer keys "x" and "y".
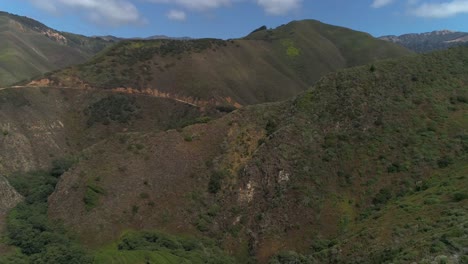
{"x": 441, "y": 10}
{"x": 109, "y": 12}
{"x": 124, "y": 12}
{"x": 429, "y": 8}
{"x": 177, "y": 15}
{"x": 279, "y": 7}
{"x": 381, "y": 3}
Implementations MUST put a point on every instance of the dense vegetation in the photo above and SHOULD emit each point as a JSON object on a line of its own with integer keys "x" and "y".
{"x": 114, "y": 108}
{"x": 39, "y": 239}
{"x": 156, "y": 247}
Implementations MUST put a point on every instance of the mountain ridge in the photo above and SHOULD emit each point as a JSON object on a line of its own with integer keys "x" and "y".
{"x": 429, "y": 41}
{"x": 30, "y": 48}
{"x": 265, "y": 66}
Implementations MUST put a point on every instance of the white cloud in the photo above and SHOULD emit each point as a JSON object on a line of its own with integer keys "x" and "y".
{"x": 279, "y": 7}
{"x": 177, "y": 15}
{"x": 110, "y": 12}
{"x": 124, "y": 12}
{"x": 200, "y": 5}
{"x": 273, "y": 7}
{"x": 441, "y": 10}
{"x": 381, "y": 3}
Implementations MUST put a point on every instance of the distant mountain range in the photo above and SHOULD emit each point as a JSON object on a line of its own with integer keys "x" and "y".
{"x": 430, "y": 41}
{"x": 116, "y": 39}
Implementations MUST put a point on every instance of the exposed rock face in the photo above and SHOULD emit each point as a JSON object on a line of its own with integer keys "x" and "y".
{"x": 9, "y": 197}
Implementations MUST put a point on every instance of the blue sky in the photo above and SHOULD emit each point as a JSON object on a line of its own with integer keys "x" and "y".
{"x": 236, "y": 18}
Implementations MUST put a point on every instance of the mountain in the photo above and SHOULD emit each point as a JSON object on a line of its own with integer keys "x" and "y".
{"x": 167, "y": 37}
{"x": 265, "y": 66}
{"x": 311, "y": 174}
{"x": 367, "y": 166}
{"x": 117, "y": 39}
{"x": 430, "y": 41}
{"x": 29, "y": 48}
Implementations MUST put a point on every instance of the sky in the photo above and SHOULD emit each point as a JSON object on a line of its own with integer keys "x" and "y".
{"x": 236, "y": 18}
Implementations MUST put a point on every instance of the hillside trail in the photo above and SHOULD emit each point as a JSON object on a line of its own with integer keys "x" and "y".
{"x": 113, "y": 91}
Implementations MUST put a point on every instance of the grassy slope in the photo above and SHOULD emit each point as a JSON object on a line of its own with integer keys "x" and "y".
{"x": 25, "y": 52}
{"x": 291, "y": 175}
{"x": 265, "y": 66}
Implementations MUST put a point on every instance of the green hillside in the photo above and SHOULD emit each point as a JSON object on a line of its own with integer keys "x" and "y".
{"x": 368, "y": 166}
{"x": 29, "y": 48}
{"x": 266, "y": 66}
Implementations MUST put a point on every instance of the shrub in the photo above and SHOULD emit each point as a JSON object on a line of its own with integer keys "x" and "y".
{"x": 117, "y": 108}
{"x": 226, "y": 108}
{"x": 215, "y": 183}
{"x": 382, "y": 197}
{"x": 460, "y": 196}
{"x": 92, "y": 196}
{"x": 60, "y": 166}
{"x": 291, "y": 257}
{"x": 270, "y": 127}
{"x": 28, "y": 227}
{"x": 444, "y": 162}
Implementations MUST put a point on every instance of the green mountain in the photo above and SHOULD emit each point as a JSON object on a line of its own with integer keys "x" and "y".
{"x": 367, "y": 166}
{"x": 29, "y": 48}
{"x": 430, "y": 41}
{"x": 265, "y": 66}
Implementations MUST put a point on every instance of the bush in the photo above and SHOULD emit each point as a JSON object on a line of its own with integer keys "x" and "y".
{"x": 444, "y": 162}
{"x": 92, "y": 196}
{"x": 460, "y": 196}
{"x": 114, "y": 108}
{"x": 270, "y": 127}
{"x": 191, "y": 249}
{"x": 215, "y": 183}
{"x": 28, "y": 227}
{"x": 226, "y": 108}
{"x": 382, "y": 197}
{"x": 291, "y": 257}
{"x": 60, "y": 166}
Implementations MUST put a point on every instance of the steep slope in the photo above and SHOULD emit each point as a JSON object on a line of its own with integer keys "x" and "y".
{"x": 267, "y": 65}
{"x": 39, "y": 125}
{"x": 430, "y": 41}
{"x": 29, "y": 48}
{"x": 312, "y": 174}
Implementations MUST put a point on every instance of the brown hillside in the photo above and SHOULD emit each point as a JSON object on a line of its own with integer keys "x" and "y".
{"x": 266, "y": 66}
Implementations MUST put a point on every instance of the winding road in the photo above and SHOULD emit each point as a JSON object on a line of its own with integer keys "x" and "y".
{"x": 112, "y": 91}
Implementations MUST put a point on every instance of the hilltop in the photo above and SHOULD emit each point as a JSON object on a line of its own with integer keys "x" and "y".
{"x": 430, "y": 41}
{"x": 30, "y": 48}
{"x": 265, "y": 66}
